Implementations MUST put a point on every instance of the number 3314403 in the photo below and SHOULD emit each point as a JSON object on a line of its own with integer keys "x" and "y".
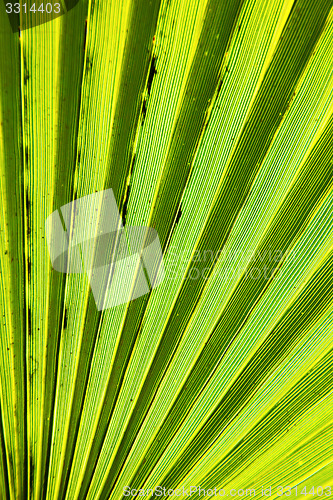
{"x": 16, "y": 8}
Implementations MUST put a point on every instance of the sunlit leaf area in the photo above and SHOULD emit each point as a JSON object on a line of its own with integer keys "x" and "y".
{"x": 211, "y": 122}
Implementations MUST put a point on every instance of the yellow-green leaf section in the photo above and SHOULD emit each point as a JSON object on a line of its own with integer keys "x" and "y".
{"x": 212, "y": 122}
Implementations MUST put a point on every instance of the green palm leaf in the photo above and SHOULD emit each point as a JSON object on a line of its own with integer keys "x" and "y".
{"x": 211, "y": 121}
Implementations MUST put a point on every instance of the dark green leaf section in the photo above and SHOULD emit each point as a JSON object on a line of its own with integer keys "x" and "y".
{"x": 265, "y": 117}
{"x": 4, "y": 486}
{"x": 304, "y": 312}
{"x": 13, "y": 257}
{"x": 314, "y": 386}
{"x": 136, "y": 63}
{"x": 283, "y": 233}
